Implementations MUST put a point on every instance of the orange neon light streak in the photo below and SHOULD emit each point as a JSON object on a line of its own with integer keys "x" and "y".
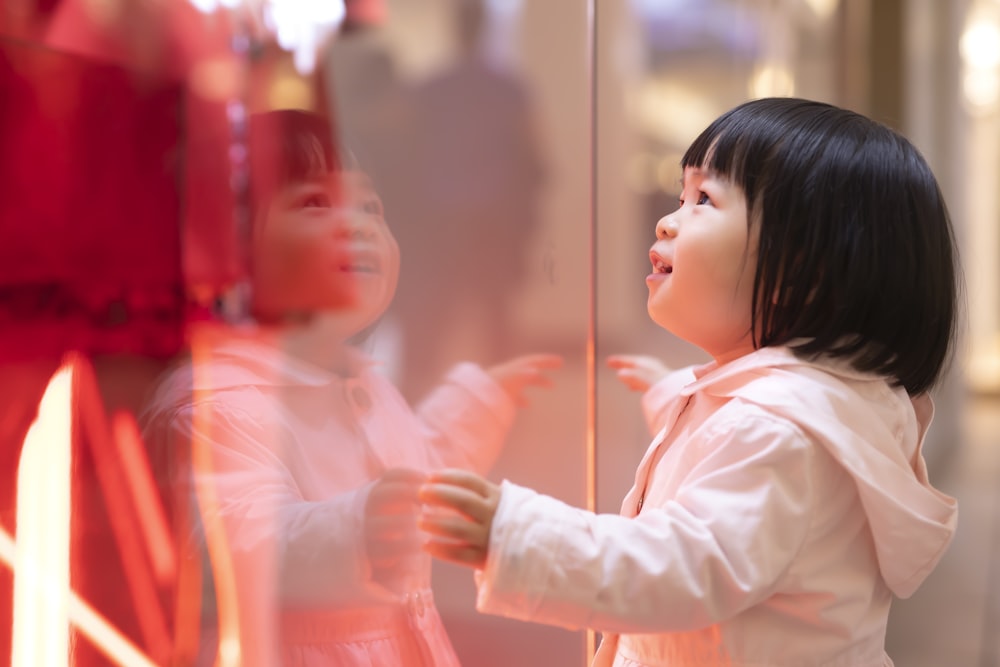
{"x": 44, "y": 604}
{"x": 139, "y": 476}
{"x": 124, "y": 514}
{"x": 40, "y": 557}
{"x": 95, "y": 627}
{"x": 229, "y": 651}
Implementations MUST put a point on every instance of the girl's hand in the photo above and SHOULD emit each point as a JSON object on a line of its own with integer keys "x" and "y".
{"x": 638, "y": 372}
{"x": 390, "y": 525}
{"x": 519, "y": 373}
{"x": 458, "y": 512}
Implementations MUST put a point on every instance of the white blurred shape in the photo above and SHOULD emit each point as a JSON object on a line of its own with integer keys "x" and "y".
{"x": 298, "y": 26}
{"x": 980, "y": 44}
{"x": 40, "y": 630}
{"x": 823, "y": 8}
{"x": 301, "y": 26}
{"x": 772, "y": 81}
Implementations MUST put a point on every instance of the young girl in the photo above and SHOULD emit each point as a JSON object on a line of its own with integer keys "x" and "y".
{"x": 307, "y": 460}
{"x": 785, "y": 499}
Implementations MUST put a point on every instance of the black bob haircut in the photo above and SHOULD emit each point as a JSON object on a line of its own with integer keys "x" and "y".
{"x": 290, "y": 146}
{"x": 856, "y": 249}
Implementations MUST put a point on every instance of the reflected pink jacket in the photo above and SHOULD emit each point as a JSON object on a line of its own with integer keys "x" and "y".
{"x": 773, "y": 517}
{"x": 295, "y": 450}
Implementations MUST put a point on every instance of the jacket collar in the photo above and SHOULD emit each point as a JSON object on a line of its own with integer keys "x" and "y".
{"x": 718, "y": 380}
{"x": 257, "y": 356}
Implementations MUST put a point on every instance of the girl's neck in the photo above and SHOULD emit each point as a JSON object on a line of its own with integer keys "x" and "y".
{"x": 733, "y": 353}
{"x": 318, "y": 344}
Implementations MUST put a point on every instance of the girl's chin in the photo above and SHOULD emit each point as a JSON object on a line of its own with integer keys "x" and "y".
{"x": 342, "y": 325}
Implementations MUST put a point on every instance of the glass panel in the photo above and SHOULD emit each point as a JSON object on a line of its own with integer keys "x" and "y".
{"x": 215, "y": 231}
{"x": 474, "y": 120}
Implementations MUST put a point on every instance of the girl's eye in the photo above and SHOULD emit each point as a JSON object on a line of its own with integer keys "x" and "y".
{"x": 317, "y": 201}
{"x": 701, "y": 201}
{"x": 373, "y": 207}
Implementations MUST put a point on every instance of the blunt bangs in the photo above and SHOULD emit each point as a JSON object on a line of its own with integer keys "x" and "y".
{"x": 856, "y": 250}
{"x": 288, "y": 146}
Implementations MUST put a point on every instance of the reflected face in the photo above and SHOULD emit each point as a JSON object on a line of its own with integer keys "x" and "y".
{"x": 323, "y": 246}
{"x": 703, "y": 264}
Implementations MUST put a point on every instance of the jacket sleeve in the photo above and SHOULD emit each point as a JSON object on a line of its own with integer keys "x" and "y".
{"x": 466, "y": 419}
{"x": 714, "y": 549}
{"x": 303, "y": 550}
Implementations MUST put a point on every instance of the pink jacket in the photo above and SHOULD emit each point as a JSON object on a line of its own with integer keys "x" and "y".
{"x": 294, "y": 451}
{"x": 773, "y": 517}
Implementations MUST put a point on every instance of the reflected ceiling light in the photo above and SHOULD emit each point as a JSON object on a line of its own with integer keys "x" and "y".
{"x": 299, "y": 26}
{"x": 823, "y": 9}
{"x": 981, "y": 87}
{"x": 979, "y": 47}
{"x": 771, "y": 81}
{"x": 290, "y": 92}
{"x": 980, "y": 43}
{"x": 505, "y": 6}
{"x": 672, "y": 113}
{"x": 216, "y": 79}
{"x": 659, "y": 8}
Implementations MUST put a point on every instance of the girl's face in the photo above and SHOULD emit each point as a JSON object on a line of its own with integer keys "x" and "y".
{"x": 704, "y": 260}
{"x": 323, "y": 246}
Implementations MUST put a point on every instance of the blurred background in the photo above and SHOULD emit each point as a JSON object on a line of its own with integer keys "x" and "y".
{"x": 525, "y": 150}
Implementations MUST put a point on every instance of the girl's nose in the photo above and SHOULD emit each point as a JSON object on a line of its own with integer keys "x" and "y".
{"x": 666, "y": 227}
{"x": 354, "y": 224}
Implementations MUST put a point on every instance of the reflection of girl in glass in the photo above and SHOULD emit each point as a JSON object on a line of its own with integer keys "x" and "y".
{"x": 785, "y": 499}
{"x": 315, "y": 457}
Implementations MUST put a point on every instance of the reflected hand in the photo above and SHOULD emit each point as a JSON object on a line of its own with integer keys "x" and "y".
{"x": 517, "y": 374}
{"x": 390, "y": 524}
{"x": 638, "y": 372}
{"x": 458, "y": 512}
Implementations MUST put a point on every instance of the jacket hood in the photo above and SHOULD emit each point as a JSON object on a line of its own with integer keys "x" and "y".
{"x": 878, "y": 441}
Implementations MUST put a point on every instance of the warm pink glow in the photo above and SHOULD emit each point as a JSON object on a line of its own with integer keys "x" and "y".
{"x": 142, "y": 487}
{"x": 40, "y": 558}
{"x": 217, "y": 79}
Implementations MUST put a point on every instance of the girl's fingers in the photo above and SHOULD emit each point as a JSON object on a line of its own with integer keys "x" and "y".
{"x": 460, "y": 554}
{"x": 546, "y": 361}
{"x": 539, "y": 361}
{"x": 631, "y": 381}
{"x": 457, "y": 498}
{"x": 620, "y": 361}
{"x": 465, "y": 479}
{"x": 396, "y": 487}
{"x": 453, "y": 527}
